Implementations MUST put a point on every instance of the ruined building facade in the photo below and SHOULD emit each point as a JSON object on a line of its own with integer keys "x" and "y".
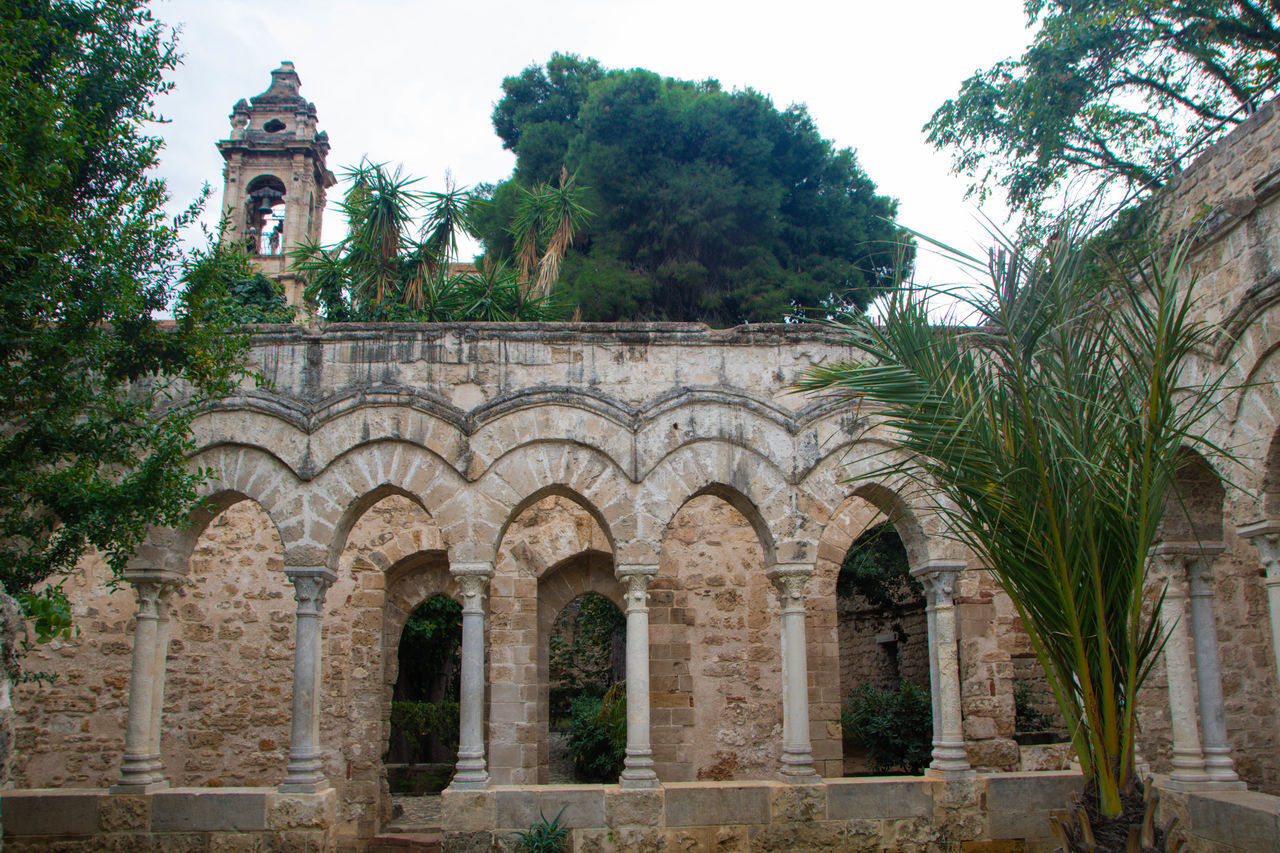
{"x": 668, "y": 467}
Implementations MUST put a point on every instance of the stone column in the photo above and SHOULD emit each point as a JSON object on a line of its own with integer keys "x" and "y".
{"x": 939, "y": 580}
{"x": 305, "y": 772}
{"x": 797, "y": 752}
{"x": 142, "y": 771}
{"x": 471, "y": 773}
{"x": 637, "y": 769}
{"x": 1169, "y": 567}
{"x": 1204, "y": 629}
{"x": 1265, "y": 536}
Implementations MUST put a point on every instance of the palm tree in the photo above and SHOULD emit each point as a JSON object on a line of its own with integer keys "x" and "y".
{"x": 1050, "y": 433}
{"x": 380, "y": 272}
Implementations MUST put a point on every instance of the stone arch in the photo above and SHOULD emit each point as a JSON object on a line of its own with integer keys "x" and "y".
{"x": 222, "y": 725}
{"x": 586, "y": 572}
{"x": 715, "y": 663}
{"x": 742, "y": 478}
{"x": 830, "y": 643}
{"x": 550, "y": 527}
{"x": 358, "y": 479}
{"x": 236, "y": 473}
{"x": 1194, "y": 507}
{"x": 531, "y": 472}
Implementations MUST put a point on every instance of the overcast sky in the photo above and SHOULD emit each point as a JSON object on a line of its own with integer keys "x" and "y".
{"x": 415, "y": 82}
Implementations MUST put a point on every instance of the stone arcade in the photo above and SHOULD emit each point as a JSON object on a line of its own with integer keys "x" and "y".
{"x": 669, "y": 468}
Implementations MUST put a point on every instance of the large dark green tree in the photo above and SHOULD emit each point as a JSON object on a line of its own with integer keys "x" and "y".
{"x": 1110, "y": 90}
{"x": 708, "y": 205}
{"x": 89, "y": 453}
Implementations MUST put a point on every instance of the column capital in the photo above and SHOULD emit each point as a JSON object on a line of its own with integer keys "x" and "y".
{"x": 472, "y": 579}
{"x": 310, "y": 584}
{"x": 637, "y": 578}
{"x": 1264, "y": 534}
{"x": 939, "y": 579}
{"x": 789, "y": 579}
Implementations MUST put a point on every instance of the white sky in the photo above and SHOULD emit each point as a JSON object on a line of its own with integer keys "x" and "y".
{"x": 415, "y": 83}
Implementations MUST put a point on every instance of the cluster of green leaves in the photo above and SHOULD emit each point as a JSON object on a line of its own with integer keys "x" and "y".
{"x": 221, "y": 286}
{"x": 428, "y": 653}
{"x": 381, "y": 271}
{"x": 418, "y": 723}
{"x": 877, "y": 569}
{"x": 582, "y": 643}
{"x": 1027, "y": 716}
{"x": 1051, "y": 435}
{"x": 1110, "y": 90}
{"x": 711, "y": 205}
{"x": 90, "y": 452}
{"x": 894, "y": 725}
{"x": 598, "y": 735}
{"x": 545, "y": 836}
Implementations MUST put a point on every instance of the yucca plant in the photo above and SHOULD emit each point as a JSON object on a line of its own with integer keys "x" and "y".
{"x": 379, "y": 271}
{"x": 1050, "y": 433}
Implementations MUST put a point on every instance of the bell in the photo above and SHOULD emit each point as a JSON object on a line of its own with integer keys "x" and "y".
{"x": 265, "y": 207}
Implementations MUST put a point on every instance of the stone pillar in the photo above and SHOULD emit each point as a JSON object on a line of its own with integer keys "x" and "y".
{"x": 1204, "y": 629}
{"x": 1169, "y": 568}
{"x": 471, "y": 773}
{"x": 305, "y": 772}
{"x": 142, "y": 771}
{"x": 1265, "y": 536}
{"x": 637, "y": 770}
{"x": 939, "y": 580}
{"x": 797, "y": 752}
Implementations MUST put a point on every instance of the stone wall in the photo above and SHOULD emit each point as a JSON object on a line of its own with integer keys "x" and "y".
{"x": 906, "y": 815}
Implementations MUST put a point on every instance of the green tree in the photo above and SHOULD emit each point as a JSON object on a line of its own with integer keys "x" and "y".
{"x": 89, "y": 452}
{"x": 382, "y": 271}
{"x": 1110, "y": 90}
{"x": 1050, "y": 435}
{"x": 709, "y": 205}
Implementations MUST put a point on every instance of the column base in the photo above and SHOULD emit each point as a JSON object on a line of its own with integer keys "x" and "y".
{"x": 304, "y": 775}
{"x": 637, "y": 771}
{"x": 797, "y": 768}
{"x": 949, "y": 773}
{"x": 139, "y": 787}
{"x": 950, "y": 757}
{"x": 1191, "y": 785}
{"x": 470, "y": 774}
{"x": 141, "y": 774}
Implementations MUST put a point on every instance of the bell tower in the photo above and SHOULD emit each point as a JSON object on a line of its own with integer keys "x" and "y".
{"x": 275, "y": 177}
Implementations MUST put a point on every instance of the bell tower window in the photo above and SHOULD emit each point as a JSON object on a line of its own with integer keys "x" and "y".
{"x": 264, "y": 216}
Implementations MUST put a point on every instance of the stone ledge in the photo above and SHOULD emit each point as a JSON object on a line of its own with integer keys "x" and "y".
{"x": 52, "y": 811}
{"x": 872, "y": 798}
{"x": 1246, "y": 820}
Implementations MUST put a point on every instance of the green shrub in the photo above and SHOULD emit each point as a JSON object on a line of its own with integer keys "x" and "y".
{"x": 545, "y": 836}
{"x": 417, "y": 722}
{"x": 894, "y": 725}
{"x": 598, "y": 735}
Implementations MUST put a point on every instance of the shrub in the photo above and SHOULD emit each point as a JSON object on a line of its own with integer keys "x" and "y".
{"x": 545, "y": 836}
{"x": 894, "y": 725}
{"x": 416, "y": 722}
{"x": 598, "y": 735}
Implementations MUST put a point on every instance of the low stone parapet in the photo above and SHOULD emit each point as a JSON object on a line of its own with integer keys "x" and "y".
{"x": 1002, "y": 813}
{"x": 175, "y": 819}
{"x": 1223, "y": 821}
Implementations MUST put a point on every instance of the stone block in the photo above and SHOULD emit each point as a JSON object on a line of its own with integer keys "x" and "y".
{"x": 1019, "y": 824}
{"x": 235, "y": 842}
{"x": 520, "y": 807}
{"x": 467, "y": 811}
{"x": 1244, "y": 819}
{"x": 302, "y": 811}
{"x": 51, "y": 811}
{"x": 1012, "y": 792}
{"x": 123, "y": 812}
{"x": 298, "y": 841}
{"x": 623, "y": 808}
{"x": 871, "y": 799}
{"x": 480, "y": 841}
{"x": 717, "y": 803}
{"x": 209, "y": 809}
{"x": 793, "y": 803}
